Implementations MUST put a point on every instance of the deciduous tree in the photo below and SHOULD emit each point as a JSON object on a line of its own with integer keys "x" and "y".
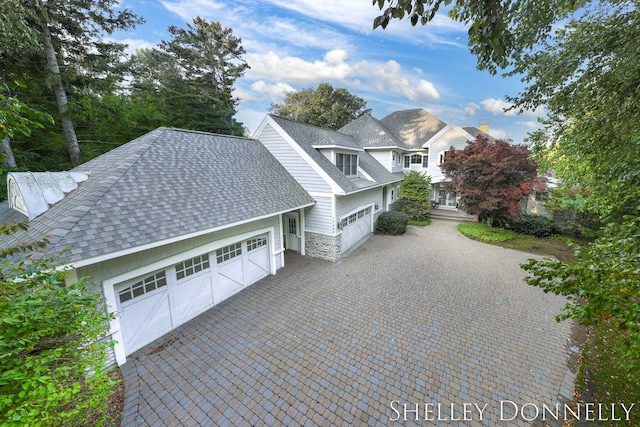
{"x": 491, "y": 176}
{"x": 323, "y": 106}
{"x": 67, "y": 37}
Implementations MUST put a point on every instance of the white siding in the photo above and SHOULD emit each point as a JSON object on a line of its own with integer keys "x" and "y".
{"x": 451, "y": 137}
{"x": 319, "y": 217}
{"x": 293, "y": 162}
{"x": 111, "y": 268}
{"x": 383, "y": 157}
{"x": 349, "y": 203}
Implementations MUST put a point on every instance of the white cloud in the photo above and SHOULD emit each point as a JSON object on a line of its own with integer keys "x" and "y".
{"x": 470, "y": 109}
{"x": 498, "y": 107}
{"x": 389, "y": 76}
{"x": 275, "y": 92}
{"x": 297, "y": 70}
{"x": 499, "y": 133}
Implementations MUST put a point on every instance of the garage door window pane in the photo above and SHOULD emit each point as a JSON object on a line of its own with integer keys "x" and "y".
{"x": 192, "y": 266}
{"x": 146, "y": 285}
{"x": 228, "y": 252}
{"x": 256, "y": 243}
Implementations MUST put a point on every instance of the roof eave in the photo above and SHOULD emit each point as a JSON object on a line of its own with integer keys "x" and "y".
{"x": 159, "y": 243}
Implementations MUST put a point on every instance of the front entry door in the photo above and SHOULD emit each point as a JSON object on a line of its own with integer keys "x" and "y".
{"x": 291, "y": 232}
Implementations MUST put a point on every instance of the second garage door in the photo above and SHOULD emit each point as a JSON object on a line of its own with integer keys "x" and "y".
{"x": 153, "y": 305}
{"x": 355, "y": 227}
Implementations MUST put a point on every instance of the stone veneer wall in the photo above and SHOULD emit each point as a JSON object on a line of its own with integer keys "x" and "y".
{"x": 322, "y": 246}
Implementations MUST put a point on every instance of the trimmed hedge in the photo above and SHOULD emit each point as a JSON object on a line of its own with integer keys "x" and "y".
{"x": 532, "y": 225}
{"x": 392, "y": 223}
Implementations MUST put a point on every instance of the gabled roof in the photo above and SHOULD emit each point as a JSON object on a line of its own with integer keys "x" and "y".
{"x": 309, "y": 137}
{"x": 161, "y": 186}
{"x": 413, "y": 127}
{"x": 370, "y": 133}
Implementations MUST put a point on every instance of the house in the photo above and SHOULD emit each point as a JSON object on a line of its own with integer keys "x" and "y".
{"x": 349, "y": 186}
{"x": 175, "y": 221}
{"x": 166, "y": 226}
{"x": 413, "y": 140}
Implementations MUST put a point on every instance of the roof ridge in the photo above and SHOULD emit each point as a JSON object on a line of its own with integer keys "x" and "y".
{"x": 209, "y": 133}
{"x": 305, "y": 124}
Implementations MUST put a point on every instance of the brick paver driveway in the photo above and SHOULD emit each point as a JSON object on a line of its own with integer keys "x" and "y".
{"x": 430, "y": 318}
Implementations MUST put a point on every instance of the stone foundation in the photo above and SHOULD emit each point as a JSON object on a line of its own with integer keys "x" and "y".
{"x": 322, "y": 246}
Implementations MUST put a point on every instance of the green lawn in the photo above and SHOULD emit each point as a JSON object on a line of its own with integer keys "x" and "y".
{"x": 555, "y": 247}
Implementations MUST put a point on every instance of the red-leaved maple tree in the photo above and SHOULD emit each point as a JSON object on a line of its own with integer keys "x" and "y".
{"x": 491, "y": 177}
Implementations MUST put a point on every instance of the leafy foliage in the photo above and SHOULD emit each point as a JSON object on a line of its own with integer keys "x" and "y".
{"x": 603, "y": 284}
{"x": 323, "y": 106}
{"x": 17, "y": 118}
{"x": 499, "y": 31}
{"x": 531, "y": 225}
{"x": 392, "y": 223}
{"x": 414, "y": 197}
{"x": 567, "y": 205}
{"x": 50, "y": 356}
{"x": 492, "y": 176}
{"x": 188, "y": 80}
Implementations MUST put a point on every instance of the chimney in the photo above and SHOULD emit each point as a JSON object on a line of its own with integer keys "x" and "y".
{"x": 484, "y": 126}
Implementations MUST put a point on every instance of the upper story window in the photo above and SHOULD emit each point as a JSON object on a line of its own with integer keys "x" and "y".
{"x": 416, "y": 159}
{"x": 347, "y": 163}
{"x": 442, "y": 156}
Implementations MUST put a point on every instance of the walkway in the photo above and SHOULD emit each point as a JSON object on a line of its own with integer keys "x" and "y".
{"x": 430, "y": 317}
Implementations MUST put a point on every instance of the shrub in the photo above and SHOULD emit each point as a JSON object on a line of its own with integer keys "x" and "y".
{"x": 50, "y": 356}
{"x": 532, "y": 225}
{"x": 414, "y": 196}
{"x": 393, "y": 223}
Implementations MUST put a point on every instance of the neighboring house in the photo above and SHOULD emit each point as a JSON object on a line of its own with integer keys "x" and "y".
{"x": 166, "y": 226}
{"x": 413, "y": 140}
{"x": 349, "y": 186}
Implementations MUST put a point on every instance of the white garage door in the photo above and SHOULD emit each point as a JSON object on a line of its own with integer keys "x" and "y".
{"x": 153, "y": 305}
{"x": 355, "y": 227}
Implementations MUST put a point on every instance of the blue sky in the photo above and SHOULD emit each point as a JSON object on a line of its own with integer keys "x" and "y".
{"x": 295, "y": 44}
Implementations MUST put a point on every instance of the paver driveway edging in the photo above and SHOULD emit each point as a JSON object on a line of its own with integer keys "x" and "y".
{"x": 430, "y": 318}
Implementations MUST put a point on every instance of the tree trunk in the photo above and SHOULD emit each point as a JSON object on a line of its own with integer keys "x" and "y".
{"x": 61, "y": 98}
{"x": 9, "y": 160}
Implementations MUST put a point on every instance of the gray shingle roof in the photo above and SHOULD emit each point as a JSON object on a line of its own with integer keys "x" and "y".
{"x": 309, "y": 136}
{"x": 165, "y": 184}
{"x": 413, "y": 127}
{"x": 370, "y": 132}
{"x": 474, "y": 131}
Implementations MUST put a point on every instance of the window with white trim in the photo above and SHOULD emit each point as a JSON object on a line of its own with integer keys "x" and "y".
{"x": 192, "y": 266}
{"x": 228, "y": 252}
{"x": 256, "y": 243}
{"x": 144, "y": 286}
{"x": 442, "y": 156}
{"x": 416, "y": 159}
{"x": 347, "y": 163}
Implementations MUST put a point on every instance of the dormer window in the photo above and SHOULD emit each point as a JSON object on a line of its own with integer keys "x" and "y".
{"x": 347, "y": 163}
